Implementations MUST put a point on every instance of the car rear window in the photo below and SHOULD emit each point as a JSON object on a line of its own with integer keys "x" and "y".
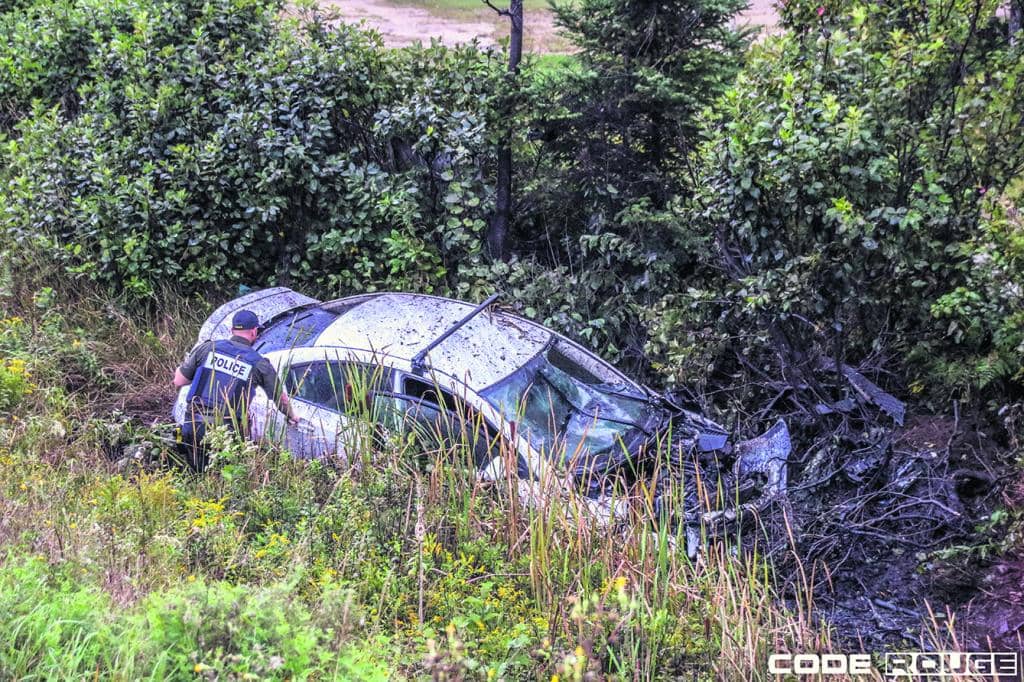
{"x": 295, "y": 330}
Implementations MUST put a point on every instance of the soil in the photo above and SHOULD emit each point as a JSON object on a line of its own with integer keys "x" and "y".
{"x": 760, "y": 13}
{"x": 148, "y": 406}
{"x": 893, "y": 584}
{"x": 401, "y": 25}
{"x": 995, "y": 616}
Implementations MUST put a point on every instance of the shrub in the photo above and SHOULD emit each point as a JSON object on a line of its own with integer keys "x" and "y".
{"x": 14, "y": 383}
{"x": 251, "y": 150}
{"x": 985, "y": 316}
{"x": 52, "y": 48}
{"x": 229, "y": 629}
{"x": 846, "y": 171}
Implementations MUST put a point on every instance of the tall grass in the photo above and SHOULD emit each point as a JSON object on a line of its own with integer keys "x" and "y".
{"x": 396, "y": 561}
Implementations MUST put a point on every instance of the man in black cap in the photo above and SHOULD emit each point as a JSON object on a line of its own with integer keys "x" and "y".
{"x": 223, "y": 376}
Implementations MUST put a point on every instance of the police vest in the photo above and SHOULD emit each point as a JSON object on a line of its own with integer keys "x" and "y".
{"x": 224, "y": 383}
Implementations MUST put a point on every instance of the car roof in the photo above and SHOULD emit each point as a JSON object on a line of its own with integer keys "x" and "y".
{"x": 491, "y": 346}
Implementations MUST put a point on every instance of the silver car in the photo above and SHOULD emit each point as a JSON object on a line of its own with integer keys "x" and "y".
{"x": 445, "y": 370}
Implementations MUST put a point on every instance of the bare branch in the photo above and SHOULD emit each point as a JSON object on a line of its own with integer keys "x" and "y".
{"x": 501, "y": 12}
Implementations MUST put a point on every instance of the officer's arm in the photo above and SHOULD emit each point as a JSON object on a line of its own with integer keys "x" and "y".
{"x": 183, "y": 375}
{"x": 275, "y": 389}
{"x": 285, "y": 404}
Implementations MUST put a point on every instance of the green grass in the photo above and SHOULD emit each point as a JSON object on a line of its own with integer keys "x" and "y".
{"x": 552, "y": 64}
{"x": 397, "y": 565}
{"x": 61, "y": 627}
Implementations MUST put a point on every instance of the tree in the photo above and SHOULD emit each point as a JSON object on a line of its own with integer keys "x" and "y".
{"x": 649, "y": 68}
{"x": 500, "y": 220}
{"x": 845, "y": 174}
{"x": 613, "y": 130}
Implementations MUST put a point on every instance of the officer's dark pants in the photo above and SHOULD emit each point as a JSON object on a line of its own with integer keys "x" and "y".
{"x": 193, "y": 435}
{"x": 193, "y": 432}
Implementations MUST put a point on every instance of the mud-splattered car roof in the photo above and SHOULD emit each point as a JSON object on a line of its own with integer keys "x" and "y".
{"x": 489, "y": 347}
{"x": 485, "y": 350}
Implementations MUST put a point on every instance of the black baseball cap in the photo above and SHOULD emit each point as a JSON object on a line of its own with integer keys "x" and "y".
{"x": 245, "y": 319}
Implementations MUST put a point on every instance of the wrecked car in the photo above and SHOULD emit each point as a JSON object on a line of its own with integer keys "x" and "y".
{"x": 529, "y": 400}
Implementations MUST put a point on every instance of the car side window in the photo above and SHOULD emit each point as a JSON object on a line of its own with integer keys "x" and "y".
{"x": 440, "y": 418}
{"x": 337, "y": 386}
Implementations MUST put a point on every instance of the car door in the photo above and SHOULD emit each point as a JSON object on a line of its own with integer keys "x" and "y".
{"x": 436, "y": 420}
{"x": 333, "y": 400}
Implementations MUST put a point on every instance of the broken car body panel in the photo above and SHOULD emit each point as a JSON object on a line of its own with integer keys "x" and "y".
{"x": 549, "y": 399}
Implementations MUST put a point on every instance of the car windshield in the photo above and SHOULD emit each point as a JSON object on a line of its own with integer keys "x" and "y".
{"x": 561, "y": 406}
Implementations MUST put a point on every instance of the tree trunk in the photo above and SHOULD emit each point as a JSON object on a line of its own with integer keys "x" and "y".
{"x": 501, "y": 219}
{"x": 1016, "y": 20}
{"x": 497, "y": 229}
{"x": 515, "y": 47}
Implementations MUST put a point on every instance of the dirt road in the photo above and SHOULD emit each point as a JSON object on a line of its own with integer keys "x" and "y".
{"x": 760, "y": 13}
{"x": 402, "y": 25}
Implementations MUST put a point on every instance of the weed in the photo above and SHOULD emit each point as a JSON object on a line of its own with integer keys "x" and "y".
{"x": 395, "y": 561}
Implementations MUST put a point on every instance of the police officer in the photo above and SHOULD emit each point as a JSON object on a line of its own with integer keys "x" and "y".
{"x": 223, "y": 376}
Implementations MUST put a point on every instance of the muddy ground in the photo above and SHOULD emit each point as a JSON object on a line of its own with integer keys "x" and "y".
{"x": 405, "y": 23}
{"x": 401, "y": 25}
{"x": 901, "y": 540}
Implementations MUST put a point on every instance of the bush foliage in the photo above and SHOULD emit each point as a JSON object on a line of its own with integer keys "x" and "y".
{"x": 838, "y": 192}
{"x": 244, "y": 152}
{"x": 211, "y": 144}
{"x": 842, "y": 190}
{"x": 713, "y": 213}
{"x": 822, "y": 197}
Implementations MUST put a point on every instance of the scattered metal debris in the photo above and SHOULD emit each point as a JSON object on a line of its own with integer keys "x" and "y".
{"x": 864, "y": 391}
